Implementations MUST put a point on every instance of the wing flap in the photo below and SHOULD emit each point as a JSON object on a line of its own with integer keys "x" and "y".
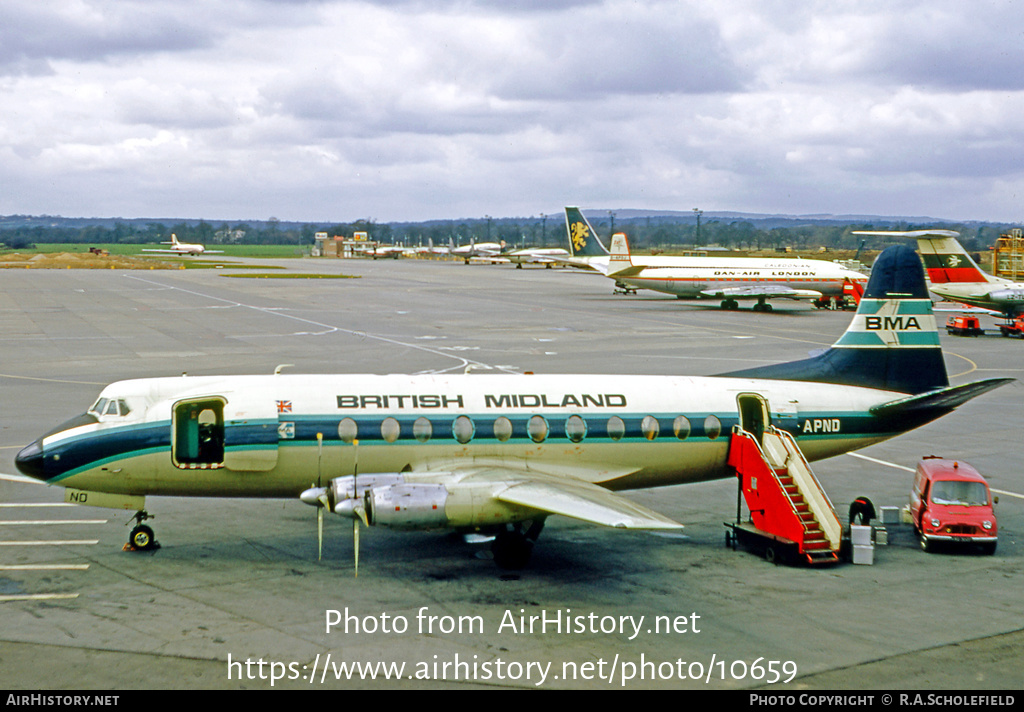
{"x": 584, "y": 501}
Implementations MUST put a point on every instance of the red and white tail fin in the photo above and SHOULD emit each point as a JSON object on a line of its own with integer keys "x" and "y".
{"x": 945, "y": 259}
{"x": 619, "y": 258}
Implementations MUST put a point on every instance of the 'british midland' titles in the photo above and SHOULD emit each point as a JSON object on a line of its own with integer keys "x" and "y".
{"x": 505, "y": 400}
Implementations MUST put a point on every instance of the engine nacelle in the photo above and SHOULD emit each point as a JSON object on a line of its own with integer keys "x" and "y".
{"x": 349, "y": 487}
{"x": 1007, "y": 295}
{"x": 407, "y": 506}
{"x": 389, "y": 500}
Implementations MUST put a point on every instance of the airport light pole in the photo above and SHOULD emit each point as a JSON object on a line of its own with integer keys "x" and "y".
{"x": 698, "y": 212}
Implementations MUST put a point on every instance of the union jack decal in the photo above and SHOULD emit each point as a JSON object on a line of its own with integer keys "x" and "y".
{"x": 284, "y": 406}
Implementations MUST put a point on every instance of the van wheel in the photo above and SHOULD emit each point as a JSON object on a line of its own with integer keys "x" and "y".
{"x": 989, "y": 548}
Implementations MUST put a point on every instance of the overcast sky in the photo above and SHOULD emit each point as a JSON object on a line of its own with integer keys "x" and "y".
{"x": 334, "y": 111}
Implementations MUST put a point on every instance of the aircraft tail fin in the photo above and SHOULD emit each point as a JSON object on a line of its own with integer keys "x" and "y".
{"x": 583, "y": 241}
{"x": 945, "y": 259}
{"x": 619, "y": 260}
{"x": 891, "y": 344}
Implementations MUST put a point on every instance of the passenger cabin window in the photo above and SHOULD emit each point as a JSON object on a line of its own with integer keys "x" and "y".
{"x": 649, "y": 427}
{"x": 502, "y": 429}
{"x": 712, "y": 427}
{"x": 537, "y": 429}
{"x": 681, "y": 427}
{"x": 616, "y": 428}
{"x": 422, "y": 430}
{"x": 575, "y": 428}
{"x": 348, "y": 431}
{"x": 390, "y": 430}
{"x": 198, "y": 434}
{"x": 463, "y": 429}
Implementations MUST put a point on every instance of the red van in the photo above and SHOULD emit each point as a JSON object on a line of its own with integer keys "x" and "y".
{"x": 951, "y": 502}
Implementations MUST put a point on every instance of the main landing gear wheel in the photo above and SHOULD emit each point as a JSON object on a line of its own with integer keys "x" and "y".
{"x": 512, "y": 548}
{"x": 762, "y": 307}
{"x": 142, "y": 538}
{"x": 730, "y": 304}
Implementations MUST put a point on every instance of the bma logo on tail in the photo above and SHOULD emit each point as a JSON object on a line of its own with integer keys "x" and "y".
{"x": 892, "y": 323}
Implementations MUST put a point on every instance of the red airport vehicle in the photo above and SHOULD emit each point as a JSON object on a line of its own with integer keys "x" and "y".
{"x": 964, "y": 326}
{"x": 1013, "y": 327}
{"x": 951, "y": 503}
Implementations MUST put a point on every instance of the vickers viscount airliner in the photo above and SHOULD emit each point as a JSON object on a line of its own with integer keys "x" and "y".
{"x": 498, "y": 454}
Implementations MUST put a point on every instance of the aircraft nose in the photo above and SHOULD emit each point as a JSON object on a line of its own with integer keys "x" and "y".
{"x": 30, "y": 460}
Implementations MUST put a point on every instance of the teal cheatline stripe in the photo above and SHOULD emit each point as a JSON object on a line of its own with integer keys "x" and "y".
{"x": 863, "y": 339}
{"x": 904, "y": 339}
{"x": 870, "y": 306}
{"x": 926, "y": 338}
{"x": 915, "y": 307}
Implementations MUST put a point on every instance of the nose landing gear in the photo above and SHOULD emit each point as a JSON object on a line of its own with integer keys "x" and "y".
{"x": 141, "y": 537}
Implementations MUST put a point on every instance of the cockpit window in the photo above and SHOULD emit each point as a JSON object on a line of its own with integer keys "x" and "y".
{"x": 110, "y": 406}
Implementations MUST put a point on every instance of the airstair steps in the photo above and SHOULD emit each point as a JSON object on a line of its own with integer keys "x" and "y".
{"x": 785, "y": 499}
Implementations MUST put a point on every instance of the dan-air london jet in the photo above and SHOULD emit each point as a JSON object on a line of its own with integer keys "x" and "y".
{"x": 953, "y": 275}
{"x": 498, "y": 454}
{"x": 183, "y": 248}
{"x": 730, "y": 279}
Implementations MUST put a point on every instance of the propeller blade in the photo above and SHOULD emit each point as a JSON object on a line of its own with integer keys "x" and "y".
{"x": 319, "y": 533}
{"x": 355, "y": 543}
{"x": 318, "y": 497}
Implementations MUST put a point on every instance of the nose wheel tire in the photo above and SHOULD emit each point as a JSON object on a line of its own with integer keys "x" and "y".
{"x": 142, "y": 538}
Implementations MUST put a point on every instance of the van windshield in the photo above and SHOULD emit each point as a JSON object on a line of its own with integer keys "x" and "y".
{"x": 969, "y": 494}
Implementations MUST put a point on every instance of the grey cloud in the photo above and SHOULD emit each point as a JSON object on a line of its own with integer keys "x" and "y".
{"x": 34, "y": 34}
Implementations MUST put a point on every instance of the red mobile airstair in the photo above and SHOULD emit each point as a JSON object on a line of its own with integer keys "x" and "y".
{"x": 790, "y": 514}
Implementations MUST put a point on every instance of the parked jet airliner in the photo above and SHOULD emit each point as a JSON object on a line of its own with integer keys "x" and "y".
{"x": 953, "y": 275}
{"x": 500, "y": 453}
{"x": 730, "y": 279}
{"x": 183, "y": 248}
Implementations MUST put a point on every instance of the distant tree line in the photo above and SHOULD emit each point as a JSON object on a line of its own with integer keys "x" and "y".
{"x": 651, "y": 233}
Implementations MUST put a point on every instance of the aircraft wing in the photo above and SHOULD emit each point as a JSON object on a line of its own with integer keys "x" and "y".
{"x": 571, "y": 497}
{"x": 761, "y": 291}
